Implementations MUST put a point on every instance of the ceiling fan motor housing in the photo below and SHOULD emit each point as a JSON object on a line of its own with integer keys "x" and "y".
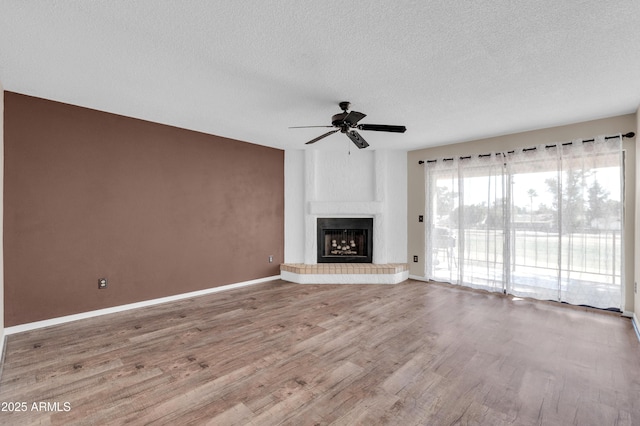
{"x": 338, "y": 119}
{"x": 347, "y": 123}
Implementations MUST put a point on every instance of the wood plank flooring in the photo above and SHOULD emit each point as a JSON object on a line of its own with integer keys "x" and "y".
{"x": 282, "y": 353}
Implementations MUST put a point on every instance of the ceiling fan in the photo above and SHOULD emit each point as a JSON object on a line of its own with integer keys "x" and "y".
{"x": 347, "y": 123}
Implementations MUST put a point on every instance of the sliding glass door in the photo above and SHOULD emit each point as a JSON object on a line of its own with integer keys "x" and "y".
{"x": 465, "y": 241}
{"x": 542, "y": 223}
{"x": 533, "y": 229}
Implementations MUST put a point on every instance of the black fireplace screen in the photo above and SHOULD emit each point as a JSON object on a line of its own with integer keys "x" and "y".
{"x": 345, "y": 240}
{"x": 339, "y": 242}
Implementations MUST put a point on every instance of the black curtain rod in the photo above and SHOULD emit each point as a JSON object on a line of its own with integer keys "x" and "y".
{"x": 626, "y": 135}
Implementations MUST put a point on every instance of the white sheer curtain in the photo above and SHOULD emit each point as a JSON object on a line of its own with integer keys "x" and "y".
{"x": 441, "y": 182}
{"x": 544, "y": 222}
{"x": 465, "y": 209}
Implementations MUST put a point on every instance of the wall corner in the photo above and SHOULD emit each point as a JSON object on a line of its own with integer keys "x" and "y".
{"x": 1, "y": 222}
{"x": 636, "y": 234}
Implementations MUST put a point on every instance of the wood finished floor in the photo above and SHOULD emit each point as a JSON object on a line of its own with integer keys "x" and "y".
{"x": 281, "y": 353}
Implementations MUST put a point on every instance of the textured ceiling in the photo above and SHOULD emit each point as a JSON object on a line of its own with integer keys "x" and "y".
{"x": 449, "y": 71}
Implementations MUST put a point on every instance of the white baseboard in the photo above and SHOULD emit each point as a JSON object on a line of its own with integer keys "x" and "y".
{"x": 419, "y": 278}
{"x": 635, "y": 323}
{"x": 68, "y": 318}
{"x": 3, "y": 339}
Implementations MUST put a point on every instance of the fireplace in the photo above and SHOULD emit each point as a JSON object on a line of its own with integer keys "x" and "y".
{"x": 345, "y": 240}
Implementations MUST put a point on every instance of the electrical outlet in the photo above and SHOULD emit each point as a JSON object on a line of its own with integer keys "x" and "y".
{"x": 270, "y": 259}
{"x": 415, "y": 258}
{"x": 102, "y": 283}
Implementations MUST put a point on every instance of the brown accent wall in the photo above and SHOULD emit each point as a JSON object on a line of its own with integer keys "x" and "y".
{"x": 156, "y": 209}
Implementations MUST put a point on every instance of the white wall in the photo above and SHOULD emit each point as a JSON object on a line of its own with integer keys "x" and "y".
{"x": 344, "y": 177}
{"x": 396, "y": 206}
{"x": 294, "y": 199}
{"x": 365, "y": 183}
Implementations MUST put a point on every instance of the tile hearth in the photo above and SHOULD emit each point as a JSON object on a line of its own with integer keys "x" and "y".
{"x": 345, "y": 273}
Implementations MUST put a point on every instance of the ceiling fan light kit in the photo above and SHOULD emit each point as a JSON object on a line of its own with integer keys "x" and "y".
{"x": 347, "y": 123}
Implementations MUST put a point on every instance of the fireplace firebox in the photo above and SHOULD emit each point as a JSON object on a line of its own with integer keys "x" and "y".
{"x": 345, "y": 240}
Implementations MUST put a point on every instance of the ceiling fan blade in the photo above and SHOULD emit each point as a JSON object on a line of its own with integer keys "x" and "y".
{"x": 357, "y": 139}
{"x": 322, "y": 136}
{"x": 353, "y": 117}
{"x": 382, "y": 128}
{"x": 306, "y": 127}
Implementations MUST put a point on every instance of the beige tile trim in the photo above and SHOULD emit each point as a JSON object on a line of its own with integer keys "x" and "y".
{"x": 345, "y": 268}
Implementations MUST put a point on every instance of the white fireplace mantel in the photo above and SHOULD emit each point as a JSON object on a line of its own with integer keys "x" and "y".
{"x": 332, "y": 208}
